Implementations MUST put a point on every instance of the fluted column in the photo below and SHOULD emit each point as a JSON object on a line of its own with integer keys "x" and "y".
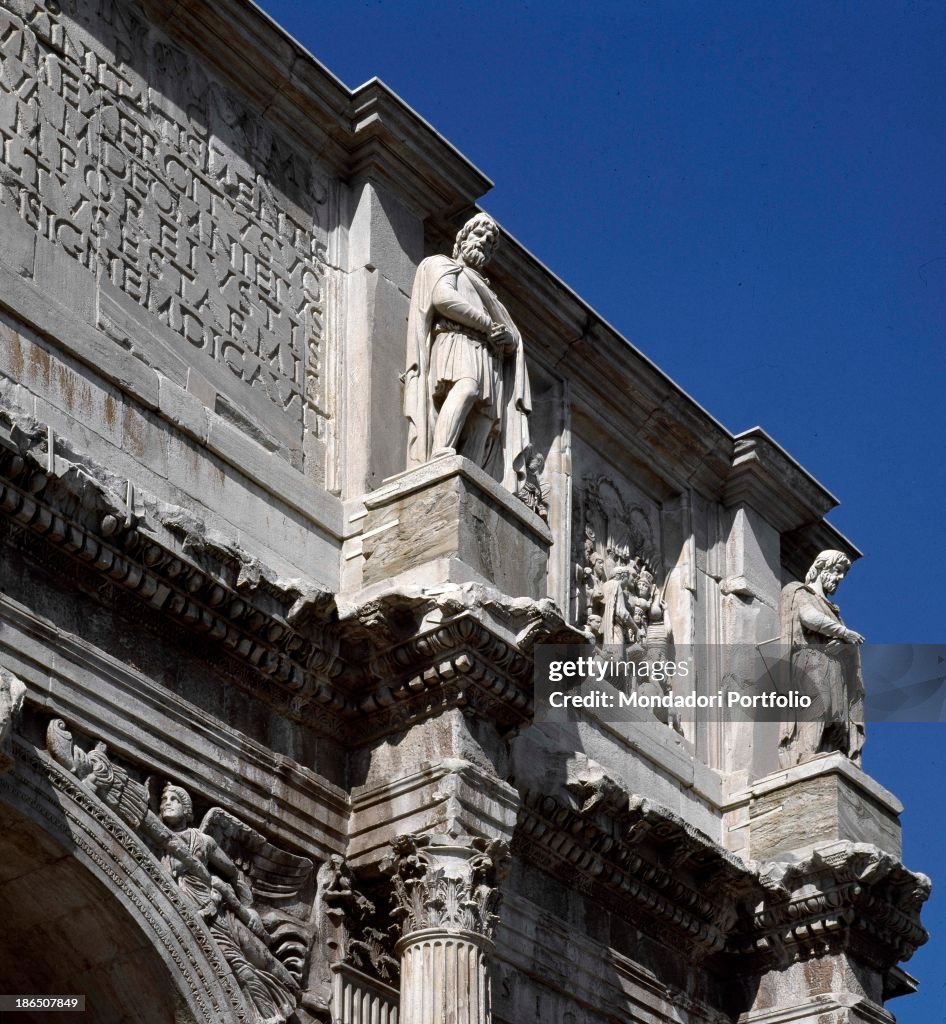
{"x": 446, "y": 894}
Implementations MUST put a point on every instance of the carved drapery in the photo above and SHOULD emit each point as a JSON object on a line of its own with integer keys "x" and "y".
{"x": 104, "y": 844}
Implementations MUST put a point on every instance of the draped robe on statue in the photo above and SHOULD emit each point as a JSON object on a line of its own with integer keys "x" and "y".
{"x": 820, "y": 665}
{"x": 433, "y": 357}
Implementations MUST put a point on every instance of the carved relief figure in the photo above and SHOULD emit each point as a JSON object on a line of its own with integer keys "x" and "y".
{"x": 466, "y": 388}
{"x": 533, "y": 493}
{"x": 12, "y": 692}
{"x": 651, "y": 619}
{"x": 219, "y": 867}
{"x": 213, "y": 882}
{"x": 616, "y": 618}
{"x": 614, "y": 549}
{"x": 824, "y": 660}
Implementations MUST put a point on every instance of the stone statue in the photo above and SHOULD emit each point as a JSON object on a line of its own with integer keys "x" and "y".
{"x": 225, "y": 900}
{"x": 466, "y": 389}
{"x": 824, "y": 662}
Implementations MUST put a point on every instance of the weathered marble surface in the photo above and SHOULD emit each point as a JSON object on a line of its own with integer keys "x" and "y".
{"x": 213, "y": 562}
{"x": 450, "y": 512}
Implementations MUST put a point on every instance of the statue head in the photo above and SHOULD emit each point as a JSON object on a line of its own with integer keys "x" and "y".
{"x": 598, "y": 566}
{"x": 622, "y": 574}
{"x": 645, "y": 583}
{"x": 830, "y": 567}
{"x": 177, "y": 809}
{"x": 476, "y": 241}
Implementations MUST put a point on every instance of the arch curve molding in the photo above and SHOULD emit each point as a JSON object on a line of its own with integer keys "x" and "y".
{"x": 48, "y": 796}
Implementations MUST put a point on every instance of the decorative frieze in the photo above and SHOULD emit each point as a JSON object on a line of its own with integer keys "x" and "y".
{"x": 616, "y": 567}
{"x": 214, "y": 590}
{"x": 363, "y": 672}
{"x": 640, "y": 860}
{"x": 119, "y": 858}
{"x": 843, "y": 896}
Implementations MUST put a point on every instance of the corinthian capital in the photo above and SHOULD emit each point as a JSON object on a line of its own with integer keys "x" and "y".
{"x": 447, "y": 883}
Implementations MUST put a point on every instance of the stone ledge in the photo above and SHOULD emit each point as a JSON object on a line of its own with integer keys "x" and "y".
{"x": 450, "y": 509}
{"x": 826, "y": 765}
{"x": 823, "y": 800}
{"x": 35, "y": 309}
{"x": 413, "y": 480}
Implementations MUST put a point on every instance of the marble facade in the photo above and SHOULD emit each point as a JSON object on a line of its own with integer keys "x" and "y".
{"x": 223, "y": 572}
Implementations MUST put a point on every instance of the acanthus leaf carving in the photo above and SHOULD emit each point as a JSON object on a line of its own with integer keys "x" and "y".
{"x": 445, "y": 883}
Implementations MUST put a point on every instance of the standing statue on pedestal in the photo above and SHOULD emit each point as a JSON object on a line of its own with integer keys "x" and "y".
{"x": 466, "y": 389}
{"x": 825, "y": 663}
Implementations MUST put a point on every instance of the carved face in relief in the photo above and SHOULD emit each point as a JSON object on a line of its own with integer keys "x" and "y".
{"x": 645, "y": 584}
{"x": 175, "y": 807}
{"x": 479, "y": 241}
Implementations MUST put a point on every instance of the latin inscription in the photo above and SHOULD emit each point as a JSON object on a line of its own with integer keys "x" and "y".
{"x": 180, "y": 196}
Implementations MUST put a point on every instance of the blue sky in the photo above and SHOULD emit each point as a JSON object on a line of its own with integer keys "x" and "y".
{"x": 755, "y": 195}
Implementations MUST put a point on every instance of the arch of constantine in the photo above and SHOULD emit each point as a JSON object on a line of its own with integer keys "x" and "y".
{"x": 303, "y": 462}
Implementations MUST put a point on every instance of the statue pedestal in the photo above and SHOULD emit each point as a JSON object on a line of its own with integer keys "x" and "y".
{"x": 449, "y": 522}
{"x": 821, "y": 801}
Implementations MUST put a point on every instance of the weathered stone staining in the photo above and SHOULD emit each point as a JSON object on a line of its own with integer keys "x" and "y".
{"x": 12, "y": 692}
{"x": 446, "y": 895}
{"x": 219, "y": 577}
{"x": 824, "y": 659}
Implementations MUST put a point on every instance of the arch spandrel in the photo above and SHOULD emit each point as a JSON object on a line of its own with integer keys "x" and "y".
{"x": 102, "y": 911}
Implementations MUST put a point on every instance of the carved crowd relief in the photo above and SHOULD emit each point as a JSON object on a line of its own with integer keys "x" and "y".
{"x": 225, "y": 868}
{"x": 120, "y": 151}
{"x": 617, "y": 597}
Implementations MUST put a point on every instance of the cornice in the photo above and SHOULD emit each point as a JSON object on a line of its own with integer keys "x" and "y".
{"x": 368, "y": 131}
{"x": 643, "y": 861}
{"x": 766, "y": 477}
{"x": 356, "y": 673}
{"x": 843, "y": 896}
